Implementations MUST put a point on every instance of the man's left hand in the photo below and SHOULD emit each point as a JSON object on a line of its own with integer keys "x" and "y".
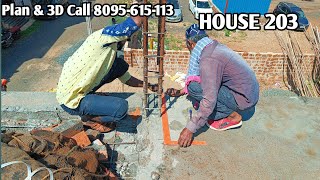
{"x": 186, "y": 137}
{"x": 153, "y": 87}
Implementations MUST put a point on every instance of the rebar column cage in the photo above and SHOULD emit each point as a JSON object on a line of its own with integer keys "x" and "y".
{"x": 159, "y": 56}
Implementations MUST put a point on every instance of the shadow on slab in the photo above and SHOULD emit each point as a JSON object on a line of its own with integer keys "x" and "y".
{"x": 112, "y": 159}
{"x": 128, "y": 124}
{"x": 153, "y": 103}
{"x": 171, "y": 102}
{"x": 132, "y": 120}
{"x": 119, "y": 95}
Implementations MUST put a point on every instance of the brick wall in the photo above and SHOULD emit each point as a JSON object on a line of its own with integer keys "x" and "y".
{"x": 174, "y": 60}
{"x": 270, "y": 68}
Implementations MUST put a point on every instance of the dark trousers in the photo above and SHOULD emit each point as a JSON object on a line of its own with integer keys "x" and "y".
{"x": 226, "y": 104}
{"x": 109, "y": 108}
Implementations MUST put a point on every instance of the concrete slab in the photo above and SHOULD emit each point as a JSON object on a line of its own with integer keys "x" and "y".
{"x": 178, "y": 115}
{"x": 28, "y": 110}
{"x": 150, "y": 147}
{"x": 46, "y": 101}
{"x": 279, "y": 142}
{"x": 29, "y": 101}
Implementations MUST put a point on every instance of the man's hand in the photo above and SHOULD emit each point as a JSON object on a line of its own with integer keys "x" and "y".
{"x": 134, "y": 82}
{"x": 185, "y": 138}
{"x": 153, "y": 87}
{"x": 174, "y": 92}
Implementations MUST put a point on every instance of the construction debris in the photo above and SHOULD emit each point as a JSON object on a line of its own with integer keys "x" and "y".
{"x": 67, "y": 158}
{"x": 69, "y": 128}
{"x": 82, "y": 139}
{"x": 93, "y": 134}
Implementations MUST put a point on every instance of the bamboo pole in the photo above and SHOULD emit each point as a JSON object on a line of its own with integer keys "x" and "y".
{"x": 302, "y": 79}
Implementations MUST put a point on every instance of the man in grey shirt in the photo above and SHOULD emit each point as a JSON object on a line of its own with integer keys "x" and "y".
{"x": 219, "y": 82}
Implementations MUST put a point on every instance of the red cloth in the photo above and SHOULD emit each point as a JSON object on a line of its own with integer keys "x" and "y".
{"x": 3, "y": 82}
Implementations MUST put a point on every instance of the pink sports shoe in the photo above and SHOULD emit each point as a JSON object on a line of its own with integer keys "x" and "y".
{"x": 223, "y": 124}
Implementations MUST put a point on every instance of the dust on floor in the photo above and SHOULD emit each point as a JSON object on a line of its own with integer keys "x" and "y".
{"x": 281, "y": 141}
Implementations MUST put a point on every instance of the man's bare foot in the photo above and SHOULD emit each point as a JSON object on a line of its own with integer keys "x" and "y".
{"x": 236, "y": 117}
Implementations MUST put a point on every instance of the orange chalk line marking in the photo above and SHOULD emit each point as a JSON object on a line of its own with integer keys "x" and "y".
{"x": 166, "y": 130}
{"x": 165, "y": 123}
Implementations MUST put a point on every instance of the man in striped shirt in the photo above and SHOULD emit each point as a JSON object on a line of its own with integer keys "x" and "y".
{"x": 220, "y": 83}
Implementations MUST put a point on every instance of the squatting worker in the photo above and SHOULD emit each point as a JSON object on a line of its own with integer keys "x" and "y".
{"x": 93, "y": 65}
{"x": 219, "y": 82}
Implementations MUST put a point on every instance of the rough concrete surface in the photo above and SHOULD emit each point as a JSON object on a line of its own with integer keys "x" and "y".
{"x": 28, "y": 101}
{"x": 281, "y": 141}
{"x": 31, "y": 110}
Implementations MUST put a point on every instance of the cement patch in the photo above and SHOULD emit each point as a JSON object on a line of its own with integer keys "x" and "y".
{"x": 176, "y": 125}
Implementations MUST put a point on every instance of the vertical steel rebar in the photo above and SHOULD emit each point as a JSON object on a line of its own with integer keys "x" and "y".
{"x": 89, "y": 23}
{"x": 131, "y": 58}
{"x": 160, "y": 57}
{"x": 145, "y": 61}
{"x": 160, "y": 53}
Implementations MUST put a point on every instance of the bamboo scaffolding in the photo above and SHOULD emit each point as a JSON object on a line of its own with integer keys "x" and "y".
{"x": 314, "y": 40}
{"x": 303, "y": 81}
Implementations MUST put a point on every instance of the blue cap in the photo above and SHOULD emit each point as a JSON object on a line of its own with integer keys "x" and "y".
{"x": 194, "y": 30}
{"x": 126, "y": 28}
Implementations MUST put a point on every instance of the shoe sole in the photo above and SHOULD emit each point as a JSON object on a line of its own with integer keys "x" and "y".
{"x": 230, "y": 127}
